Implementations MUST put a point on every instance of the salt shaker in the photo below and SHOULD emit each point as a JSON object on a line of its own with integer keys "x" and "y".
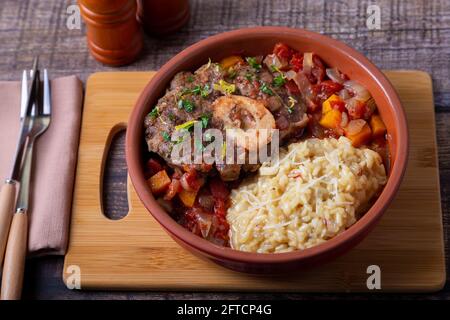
{"x": 113, "y": 33}
{"x": 161, "y": 17}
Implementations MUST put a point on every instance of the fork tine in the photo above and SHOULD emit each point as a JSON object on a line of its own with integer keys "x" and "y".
{"x": 33, "y": 109}
{"x": 23, "y": 95}
{"x": 47, "y": 104}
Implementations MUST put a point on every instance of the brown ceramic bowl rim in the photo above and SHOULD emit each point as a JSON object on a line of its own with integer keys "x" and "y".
{"x": 362, "y": 226}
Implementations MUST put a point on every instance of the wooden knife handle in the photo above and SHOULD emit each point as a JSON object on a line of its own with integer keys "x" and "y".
{"x": 7, "y": 198}
{"x": 14, "y": 265}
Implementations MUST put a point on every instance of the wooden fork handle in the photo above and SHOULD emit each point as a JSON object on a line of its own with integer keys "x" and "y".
{"x": 7, "y": 198}
{"x": 14, "y": 265}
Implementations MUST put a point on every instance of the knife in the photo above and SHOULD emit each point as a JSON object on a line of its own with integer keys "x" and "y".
{"x": 8, "y": 191}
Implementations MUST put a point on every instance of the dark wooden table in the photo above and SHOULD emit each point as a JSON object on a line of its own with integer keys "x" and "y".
{"x": 414, "y": 35}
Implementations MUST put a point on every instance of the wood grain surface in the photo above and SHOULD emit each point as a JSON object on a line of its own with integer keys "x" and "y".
{"x": 136, "y": 253}
{"x": 414, "y": 34}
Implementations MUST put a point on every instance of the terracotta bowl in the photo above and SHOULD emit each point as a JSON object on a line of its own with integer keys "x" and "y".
{"x": 259, "y": 41}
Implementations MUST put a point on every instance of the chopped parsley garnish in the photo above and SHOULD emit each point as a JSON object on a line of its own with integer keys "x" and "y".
{"x": 204, "y": 119}
{"x": 205, "y": 91}
{"x": 185, "y": 91}
{"x": 166, "y": 136}
{"x": 264, "y": 88}
{"x": 171, "y": 116}
{"x": 154, "y": 113}
{"x": 249, "y": 76}
{"x": 253, "y": 63}
{"x": 196, "y": 90}
{"x": 190, "y": 79}
{"x": 279, "y": 81}
{"x": 186, "y": 105}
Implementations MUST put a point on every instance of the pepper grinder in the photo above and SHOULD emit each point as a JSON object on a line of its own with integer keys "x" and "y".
{"x": 114, "y": 35}
{"x": 161, "y": 17}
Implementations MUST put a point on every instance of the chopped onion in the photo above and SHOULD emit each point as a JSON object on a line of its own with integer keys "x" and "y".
{"x": 359, "y": 91}
{"x": 335, "y": 75}
{"x": 306, "y": 89}
{"x": 344, "y": 119}
{"x": 303, "y": 84}
{"x": 290, "y": 75}
{"x": 272, "y": 61}
{"x": 204, "y": 221}
{"x": 206, "y": 201}
{"x": 371, "y": 107}
{"x": 185, "y": 184}
{"x": 355, "y": 126}
{"x": 344, "y": 94}
{"x": 307, "y": 62}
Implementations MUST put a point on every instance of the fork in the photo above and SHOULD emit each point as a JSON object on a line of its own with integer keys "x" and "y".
{"x": 13, "y": 269}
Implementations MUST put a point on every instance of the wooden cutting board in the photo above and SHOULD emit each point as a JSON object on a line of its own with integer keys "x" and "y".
{"x": 135, "y": 253}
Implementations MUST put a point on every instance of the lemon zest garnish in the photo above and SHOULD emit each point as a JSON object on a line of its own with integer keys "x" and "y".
{"x": 224, "y": 87}
{"x": 185, "y": 125}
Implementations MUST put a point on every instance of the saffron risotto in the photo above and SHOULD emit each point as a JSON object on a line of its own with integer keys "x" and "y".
{"x": 316, "y": 190}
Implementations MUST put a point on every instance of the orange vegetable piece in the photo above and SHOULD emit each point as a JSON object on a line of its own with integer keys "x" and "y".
{"x": 187, "y": 197}
{"x": 331, "y": 120}
{"x": 230, "y": 61}
{"x": 362, "y": 137}
{"x": 377, "y": 125}
{"x": 159, "y": 182}
{"x": 326, "y": 105}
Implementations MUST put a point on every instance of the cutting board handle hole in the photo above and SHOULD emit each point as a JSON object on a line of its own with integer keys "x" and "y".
{"x": 114, "y": 177}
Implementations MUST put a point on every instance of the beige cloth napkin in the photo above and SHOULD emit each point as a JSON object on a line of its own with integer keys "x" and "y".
{"x": 54, "y": 162}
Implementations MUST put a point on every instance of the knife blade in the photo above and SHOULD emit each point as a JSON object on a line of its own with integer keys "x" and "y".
{"x": 24, "y": 126}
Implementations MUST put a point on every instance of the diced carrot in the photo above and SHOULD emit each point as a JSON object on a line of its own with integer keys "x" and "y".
{"x": 326, "y": 105}
{"x": 159, "y": 182}
{"x": 331, "y": 120}
{"x": 173, "y": 189}
{"x": 377, "y": 125}
{"x": 230, "y": 61}
{"x": 360, "y": 138}
{"x": 338, "y": 105}
{"x": 187, "y": 197}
